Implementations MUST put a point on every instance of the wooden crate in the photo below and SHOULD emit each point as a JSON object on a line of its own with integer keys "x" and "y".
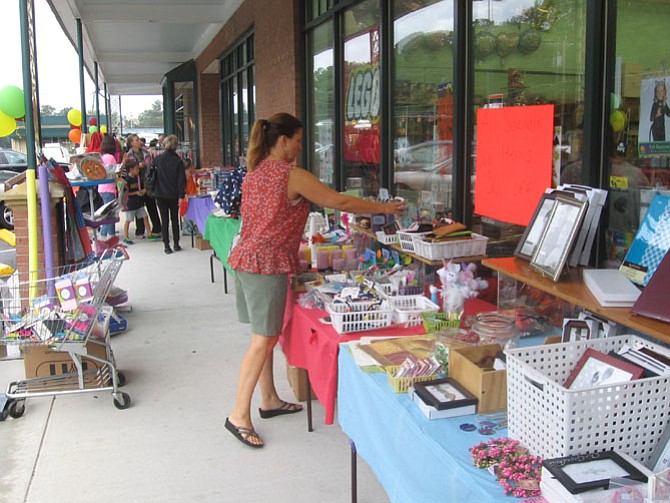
{"x": 489, "y": 386}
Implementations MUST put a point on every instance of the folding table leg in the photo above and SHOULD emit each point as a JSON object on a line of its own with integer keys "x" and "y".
{"x": 354, "y": 472}
{"x": 309, "y": 404}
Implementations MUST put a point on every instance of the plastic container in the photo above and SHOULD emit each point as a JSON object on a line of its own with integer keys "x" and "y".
{"x": 553, "y": 421}
{"x": 407, "y": 310}
{"x": 434, "y": 250}
{"x": 495, "y": 327}
{"x": 406, "y": 239}
{"x": 359, "y": 316}
{"x": 402, "y": 384}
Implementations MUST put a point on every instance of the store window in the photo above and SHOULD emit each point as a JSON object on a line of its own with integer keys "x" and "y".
{"x": 322, "y": 103}
{"x": 237, "y": 99}
{"x": 185, "y": 117}
{"x": 638, "y": 155}
{"x": 422, "y": 116}
{"x": 532, "y": 52}
{"x": 362, "y": 113}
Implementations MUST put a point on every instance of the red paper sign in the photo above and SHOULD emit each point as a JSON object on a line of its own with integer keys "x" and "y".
{"x": 514, "y": 156}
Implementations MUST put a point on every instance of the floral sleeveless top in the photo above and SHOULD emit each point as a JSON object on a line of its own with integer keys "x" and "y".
{"x": 272, "y": 225}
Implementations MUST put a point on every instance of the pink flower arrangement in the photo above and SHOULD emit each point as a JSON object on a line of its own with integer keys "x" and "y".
{"x": 517, "y": 471}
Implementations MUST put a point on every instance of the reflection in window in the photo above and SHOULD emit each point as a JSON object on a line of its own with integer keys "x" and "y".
{"x": 237, "y": 99}
{"x": 423, "y": 105}
{"x": 362, "y": 53}
{"x": 531, "y": 52}
{"x": 639, "y": 122}
{"x": 322, "y": 98}
{"x": 184, "y": 117}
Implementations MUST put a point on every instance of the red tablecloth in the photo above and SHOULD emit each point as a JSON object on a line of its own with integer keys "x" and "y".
{"x": 311, "y": 345}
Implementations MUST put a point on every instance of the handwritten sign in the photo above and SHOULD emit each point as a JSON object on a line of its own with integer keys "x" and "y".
{"x": 514, "y": 161}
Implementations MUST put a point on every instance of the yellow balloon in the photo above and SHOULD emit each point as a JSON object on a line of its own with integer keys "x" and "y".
{"x": 103, "y": 129}
{"x": 7, "y": 124}
{"x": 74, "y": 117}
{"x": 617, "y": 121}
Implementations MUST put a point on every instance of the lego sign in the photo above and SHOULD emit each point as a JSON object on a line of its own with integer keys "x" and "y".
{"x": 363, "y": 100}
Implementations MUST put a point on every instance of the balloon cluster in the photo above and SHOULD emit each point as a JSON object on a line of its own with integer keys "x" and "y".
{"x": 12, "y": 107}
{"x": 74, "y": 118}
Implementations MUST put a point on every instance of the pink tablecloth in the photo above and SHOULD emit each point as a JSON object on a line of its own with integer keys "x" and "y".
{"x": 311, "y": 345}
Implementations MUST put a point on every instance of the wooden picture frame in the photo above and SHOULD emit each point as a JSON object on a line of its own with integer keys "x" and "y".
{"x": 444, "y": 394}
{"x": 585, "y": 472}
{"x": 558, "y": 236}
{"x": 598, "y": 369}
{"x": 533, "y": 233}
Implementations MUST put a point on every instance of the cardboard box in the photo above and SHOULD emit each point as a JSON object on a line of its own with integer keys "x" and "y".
{"x": 43, "y": 361}
{"x": 489, "y": 386}
{"x": 297, "y": 378}
{"x": 202, "y": 244}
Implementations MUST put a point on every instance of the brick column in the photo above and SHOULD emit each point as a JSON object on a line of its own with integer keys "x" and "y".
{"x": 16, "y": 200}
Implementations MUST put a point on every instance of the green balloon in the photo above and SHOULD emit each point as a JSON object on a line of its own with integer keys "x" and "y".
{"x": 92, "y": 129}
{"x": 11, "y": 102}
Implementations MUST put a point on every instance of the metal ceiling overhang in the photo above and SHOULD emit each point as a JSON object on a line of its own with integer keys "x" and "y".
{"x": 136, "y": 44}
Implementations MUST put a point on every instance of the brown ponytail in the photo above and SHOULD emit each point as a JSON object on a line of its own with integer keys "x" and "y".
{"x": 265, "y": 133}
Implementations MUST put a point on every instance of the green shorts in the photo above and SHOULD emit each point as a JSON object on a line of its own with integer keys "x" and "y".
{"x": 261, "y": 300}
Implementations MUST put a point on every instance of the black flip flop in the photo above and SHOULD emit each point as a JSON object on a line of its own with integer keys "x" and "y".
{"x": 242, "y": 434}
{"x": 286, "y": 408}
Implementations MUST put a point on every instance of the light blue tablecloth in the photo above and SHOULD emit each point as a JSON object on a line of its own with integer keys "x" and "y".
{"x": 414, "y": 459}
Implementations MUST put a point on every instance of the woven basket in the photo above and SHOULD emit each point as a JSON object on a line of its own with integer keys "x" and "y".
{"x": 402, "y": 384}
{"x": 434, "y": 322}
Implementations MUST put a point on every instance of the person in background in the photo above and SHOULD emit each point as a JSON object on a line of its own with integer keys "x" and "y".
{"x": 107, "y": 190}
{"x": 94, "y": 143}
{"x": 276, "y": 199}
{"x": 170, "y": 188}
{"x": 134, "y": 206}
{"x": 144, "y": 160}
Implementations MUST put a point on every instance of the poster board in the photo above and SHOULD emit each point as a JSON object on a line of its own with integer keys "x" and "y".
{"x": 514, "y": 161}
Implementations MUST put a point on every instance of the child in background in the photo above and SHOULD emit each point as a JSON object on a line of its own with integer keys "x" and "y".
{"x": 191, "y": 187}
{"x": 133, "y": 195}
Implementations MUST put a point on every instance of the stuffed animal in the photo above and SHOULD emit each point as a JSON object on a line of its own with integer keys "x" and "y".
{"x": 459, "y": 282}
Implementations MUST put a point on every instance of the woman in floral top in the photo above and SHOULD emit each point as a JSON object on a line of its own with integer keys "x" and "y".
{"x": 276, "y": 198}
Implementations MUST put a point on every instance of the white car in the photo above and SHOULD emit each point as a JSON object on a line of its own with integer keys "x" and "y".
{"x": 56, "y": 152}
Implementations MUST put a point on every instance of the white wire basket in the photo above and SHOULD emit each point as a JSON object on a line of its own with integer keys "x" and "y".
{"x": 407, "y": 309}
{"x": 553, "y": 421}
{"x": 406, "y": 239}
{"x": 435, "y": 250}
{"x": 386, "y": 239}
{"x": 359, "y": 316}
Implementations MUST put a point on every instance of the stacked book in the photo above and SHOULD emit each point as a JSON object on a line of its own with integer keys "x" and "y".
{"x": 610, "y": 287}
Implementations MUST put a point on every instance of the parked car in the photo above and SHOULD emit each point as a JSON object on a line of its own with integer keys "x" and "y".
{"x": 420, "y": 166}
{"x": 11, "y": 160}
{"x": 6, "y": 214}
{"x": 56, "y": 152}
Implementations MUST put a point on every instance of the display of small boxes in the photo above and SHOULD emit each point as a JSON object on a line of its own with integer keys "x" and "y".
{"x": 489, "y": 386}
{"x": 553, "y": 421}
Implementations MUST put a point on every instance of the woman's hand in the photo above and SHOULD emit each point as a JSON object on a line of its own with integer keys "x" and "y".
{"x": 395, "y": 207}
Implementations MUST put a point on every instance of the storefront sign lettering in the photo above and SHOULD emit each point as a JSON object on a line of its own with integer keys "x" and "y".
{"x": 363, "y": 100}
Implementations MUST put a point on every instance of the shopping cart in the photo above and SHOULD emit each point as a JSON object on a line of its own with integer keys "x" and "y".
{"x": 62, "y": 314}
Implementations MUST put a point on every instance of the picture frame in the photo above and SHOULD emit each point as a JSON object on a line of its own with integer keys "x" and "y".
{"x": 584, "y": 472}
{"x": 576, "y": 330}
{"x": 659, "y": 460}
{"x": 598, "y": 369}
{"x": 558, "y": 236}
{"x": 533, "y": 233}
{"x": 444, "y": 394}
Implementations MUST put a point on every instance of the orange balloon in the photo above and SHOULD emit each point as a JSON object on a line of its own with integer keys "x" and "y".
{"x": 74, "y": 135}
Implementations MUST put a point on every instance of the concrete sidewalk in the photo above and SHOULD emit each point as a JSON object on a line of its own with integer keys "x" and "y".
{"x": 180, "y": 355}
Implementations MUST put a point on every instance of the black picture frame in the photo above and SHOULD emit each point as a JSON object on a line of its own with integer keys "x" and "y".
{"x": 444, "y": 394}
{"x": 584, "y": 472}
{"x": 559, "y": 236}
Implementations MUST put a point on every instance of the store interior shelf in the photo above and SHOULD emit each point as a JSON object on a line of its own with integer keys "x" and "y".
{"x": 419, "y": 258}
{"x": 571, "y": 288}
